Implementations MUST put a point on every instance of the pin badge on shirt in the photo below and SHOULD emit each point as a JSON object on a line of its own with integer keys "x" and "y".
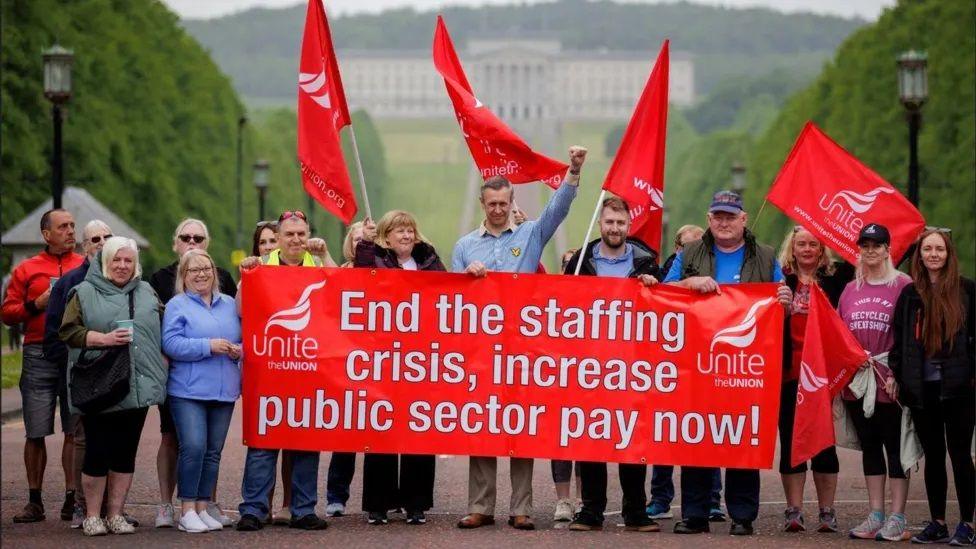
{"x": 516, "y": 252}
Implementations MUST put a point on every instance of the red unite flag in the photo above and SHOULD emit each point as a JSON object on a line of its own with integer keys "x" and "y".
{"x": 495, "y": 148}
{"x": 322, "y": 112}
{"x": 637, "y": 173}
{"x": 832, "y": 194}
{"x": 831, "y": 355}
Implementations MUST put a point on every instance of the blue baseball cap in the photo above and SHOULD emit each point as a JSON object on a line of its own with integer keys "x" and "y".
{"x": 726, "y": 201}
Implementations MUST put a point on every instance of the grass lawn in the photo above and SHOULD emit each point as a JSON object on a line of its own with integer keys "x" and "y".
{"x": 11, "y": 370}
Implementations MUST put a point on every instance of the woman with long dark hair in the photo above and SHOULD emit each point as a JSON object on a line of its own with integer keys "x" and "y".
{"x": 934, "y": 363}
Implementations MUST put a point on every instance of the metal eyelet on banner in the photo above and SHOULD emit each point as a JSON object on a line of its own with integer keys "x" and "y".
{"x": 644, "y": 460}
{"x": 511, "y": 452}
{"x": 372, "y": 272}
{"x": 366, "y": 449}
{"x": 514, "y": 275}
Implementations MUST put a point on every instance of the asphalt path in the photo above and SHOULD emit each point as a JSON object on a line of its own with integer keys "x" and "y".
{"x": 449, "y": 504}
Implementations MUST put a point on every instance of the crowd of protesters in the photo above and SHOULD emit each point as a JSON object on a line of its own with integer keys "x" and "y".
{"x": 182, "y": 331}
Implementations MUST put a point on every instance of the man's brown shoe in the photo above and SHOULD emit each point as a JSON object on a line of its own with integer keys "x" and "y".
{"x": 475, "y": 520}
{"x": 521, "y": 522}
{"x": 32, "y": 513}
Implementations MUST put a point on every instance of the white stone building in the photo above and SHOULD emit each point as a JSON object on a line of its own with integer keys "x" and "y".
{"x": 517, "y": 79}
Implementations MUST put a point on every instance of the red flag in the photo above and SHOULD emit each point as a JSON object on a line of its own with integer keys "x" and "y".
{"x": 831, "y": 355}
{"x": 322, "y": 112}
{"x": 831, "y": 193}
{"x": 637, "y": 173}
{"x": 495, "y": 148}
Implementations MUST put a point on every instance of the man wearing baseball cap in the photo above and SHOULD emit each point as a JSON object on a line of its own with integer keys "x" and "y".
{"x": 726, "y": 254}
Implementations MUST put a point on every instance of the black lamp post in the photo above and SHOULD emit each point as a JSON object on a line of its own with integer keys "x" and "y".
{"x": 913, "y": 90}
{"x": 240, "y": 185}
{"x": 261, "y": 170}
{"x": 738, "y": 172}
{"x": 57, "y": 88}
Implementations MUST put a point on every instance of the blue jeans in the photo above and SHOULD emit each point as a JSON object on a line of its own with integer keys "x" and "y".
{"x": 201, "y": 428}
{"x": 342, "y": 467}
{"x": 662, "y": 486}
{"x": 259, "y": 476}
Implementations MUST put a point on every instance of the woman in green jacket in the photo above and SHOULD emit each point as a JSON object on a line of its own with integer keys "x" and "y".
{"x": 92, "y": 319}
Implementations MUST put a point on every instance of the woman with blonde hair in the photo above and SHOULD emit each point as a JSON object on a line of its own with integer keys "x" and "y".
{"x": 365, "y": 229}
{"x": 867, "y": 306}
{"x": 806, "y": 262}
{"x": 202, "y": 337}
{"x": 398, "y": 245}
{"x": 934, "y": 363}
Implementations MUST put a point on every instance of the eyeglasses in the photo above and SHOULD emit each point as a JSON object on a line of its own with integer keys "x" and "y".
{"x": 290, "y": 214}
{"x": 942, "y": 230}
{"x": 96, "y": 239}
{"x": 200, "y": 270}
{"x": 265, "y": 224}
{"x": 197, "y": 238}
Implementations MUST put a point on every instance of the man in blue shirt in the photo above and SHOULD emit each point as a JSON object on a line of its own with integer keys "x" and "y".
{"x": 726, "y": 254}
{"x": 501, "y": 245}
{"x": 614, "y": 255}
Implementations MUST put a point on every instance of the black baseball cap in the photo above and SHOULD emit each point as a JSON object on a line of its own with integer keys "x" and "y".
{"x": 875, "y": 233}
{"x": 726, "y": 201}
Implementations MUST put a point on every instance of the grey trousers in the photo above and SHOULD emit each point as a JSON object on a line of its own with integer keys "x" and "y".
{"x": 482, "y": 485}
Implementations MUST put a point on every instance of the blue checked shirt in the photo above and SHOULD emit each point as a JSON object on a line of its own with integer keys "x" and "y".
{"x": 518, "y": 248}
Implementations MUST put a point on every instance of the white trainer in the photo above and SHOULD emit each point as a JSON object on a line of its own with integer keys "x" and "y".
{"x": 191, "y": 523}
{"x": 212, "y": 523}
{"x": 165, "y": 516}
{"x": 216, "y": 513}
{"x": 564, "y": 511}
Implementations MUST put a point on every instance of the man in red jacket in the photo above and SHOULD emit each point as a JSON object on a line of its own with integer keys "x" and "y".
{"x": 42, "y": 381}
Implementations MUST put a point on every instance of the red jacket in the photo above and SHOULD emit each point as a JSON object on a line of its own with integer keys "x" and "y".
{"x": 29, "y": 280}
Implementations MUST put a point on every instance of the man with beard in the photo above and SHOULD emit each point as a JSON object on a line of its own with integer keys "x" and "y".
{"x": 615, "y": 255}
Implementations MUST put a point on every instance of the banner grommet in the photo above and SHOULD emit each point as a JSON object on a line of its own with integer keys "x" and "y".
{"x": 372, "y": 271}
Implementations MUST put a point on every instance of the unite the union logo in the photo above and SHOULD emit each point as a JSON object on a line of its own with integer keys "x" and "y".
{"x": 293, "y": 352}
{"x": 736, "y": 369}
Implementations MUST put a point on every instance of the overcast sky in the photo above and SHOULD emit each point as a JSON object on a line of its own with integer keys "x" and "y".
{"x": 868, "y": 9}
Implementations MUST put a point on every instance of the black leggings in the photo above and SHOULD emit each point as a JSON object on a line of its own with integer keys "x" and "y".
{"x": 112, "y": 440}
{"x": 384, "y": 489}
{"x": 879, "y": 434}
{"x": 941, "y": 424}
{"x": 824, "y": 462}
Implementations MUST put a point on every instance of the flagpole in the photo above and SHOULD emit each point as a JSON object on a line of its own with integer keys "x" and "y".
{"x": 759, "y": 213}
{"x": 596, "y": 212}
{"x": 359, "y": 168}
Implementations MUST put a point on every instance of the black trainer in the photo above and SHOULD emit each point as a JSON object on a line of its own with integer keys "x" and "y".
{"x": 308, "y": 522}
{"x": 249, "y": 523}
{"x": 641, "y": 523}
{"x": 416, "y": 517}
{"x": 741, "y": 528}
{"x": 692, "y": 526}
{"x": 68, "y": 509}
{"x": 377, "y": 518}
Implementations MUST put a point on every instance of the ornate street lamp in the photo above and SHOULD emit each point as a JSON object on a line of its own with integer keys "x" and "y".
{"x": 262, "y": 168}
{"x": 57, "y": 88}
{"x": 913, "y": 90}
{"x": 738, "y": 172}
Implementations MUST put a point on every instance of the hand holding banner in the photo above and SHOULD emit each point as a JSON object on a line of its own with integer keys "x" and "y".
{"x": 495, "y": 148}
{"x": 362, "y": 360}
{"x": 833, "y": 195}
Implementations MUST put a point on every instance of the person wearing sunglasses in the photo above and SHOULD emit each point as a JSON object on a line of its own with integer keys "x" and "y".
{"x": 295, "y": 248}
{"x": 95, "y": 233}
{"x": 190, "y": 234}
{"x": 933, "y": 363}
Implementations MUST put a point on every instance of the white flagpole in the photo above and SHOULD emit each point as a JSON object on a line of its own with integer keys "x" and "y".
{"x": 596, "y": 212}
{"x": 359, "y": 168}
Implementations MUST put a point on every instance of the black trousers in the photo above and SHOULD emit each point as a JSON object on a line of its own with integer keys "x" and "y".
{"x": 384, "y": 489}
{"x": 593, "y": 485}
{"x": 824, "y": 462}
{"x": 112, "y": 440}
{"x": 947, "y": 424}
{"x": 880, "y": 436}
{"x": 741, "y": 493}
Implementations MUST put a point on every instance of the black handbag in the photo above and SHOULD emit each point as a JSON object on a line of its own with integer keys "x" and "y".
{"x": 100, "y": 376}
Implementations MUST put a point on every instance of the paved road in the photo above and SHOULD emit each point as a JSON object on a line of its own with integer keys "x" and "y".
{"x": 450, "y": 498}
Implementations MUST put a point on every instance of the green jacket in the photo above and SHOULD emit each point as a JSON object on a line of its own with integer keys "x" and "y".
{"x": 698, "y": 259}
{"x": 96, "y": 304}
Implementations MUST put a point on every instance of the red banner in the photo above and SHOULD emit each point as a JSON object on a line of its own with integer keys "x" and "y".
{"x": 495, "y": 148}
{"x": 361, "y": 360}
{"x": 831, "y": 193}
{"x": 637, "y": 173}
{"x": 322, "y": 112}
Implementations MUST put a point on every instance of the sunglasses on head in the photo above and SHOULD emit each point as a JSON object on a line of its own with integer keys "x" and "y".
{"x": 196, "y": 238}
{"x": 942, "y": 230}
{"x": 290, "y": 214}
{"x": 263, "y": 224}
{"x": 96, "y": 239}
